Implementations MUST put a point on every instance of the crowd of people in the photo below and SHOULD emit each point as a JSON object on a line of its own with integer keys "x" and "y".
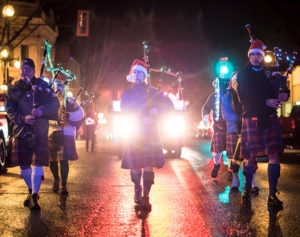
{"x": 245, "y": 125}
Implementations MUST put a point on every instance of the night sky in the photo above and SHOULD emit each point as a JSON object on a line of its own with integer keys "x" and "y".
{"x": 188, "y": 36}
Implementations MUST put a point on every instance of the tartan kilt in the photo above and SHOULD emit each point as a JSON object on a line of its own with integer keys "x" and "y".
{"x": 231, "y": 140}
{"x": 255, "y": 143}
{"x": 218, "y": 142}
{"x": 22, "y": 156}
{"x": 65, "y": 152}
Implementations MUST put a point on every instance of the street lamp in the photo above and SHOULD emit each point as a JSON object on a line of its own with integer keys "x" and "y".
{"x": 8, "y": 11}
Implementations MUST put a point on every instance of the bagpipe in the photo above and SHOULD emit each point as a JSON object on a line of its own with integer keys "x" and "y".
{"x": 175, "y": 86}
{"x": 272, "y": 70}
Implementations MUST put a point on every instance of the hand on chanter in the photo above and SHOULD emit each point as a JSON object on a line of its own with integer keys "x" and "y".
{"x": 37, "y": 112}
{"x": 30, "y": 119}
{"x": 283, "y": 97}
{"x": 274, "y": 103}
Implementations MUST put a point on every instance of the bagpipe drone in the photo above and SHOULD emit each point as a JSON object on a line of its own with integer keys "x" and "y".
{"x": 175, "y": 86}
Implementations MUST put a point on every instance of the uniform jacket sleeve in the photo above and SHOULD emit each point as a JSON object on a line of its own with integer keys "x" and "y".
{"x": 11, "y": 106}
{"x": 209, "y": 105}
{"x": 227, "y": 111}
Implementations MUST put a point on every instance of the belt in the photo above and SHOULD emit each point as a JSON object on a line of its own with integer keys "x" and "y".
{"x": 256, "y": 118}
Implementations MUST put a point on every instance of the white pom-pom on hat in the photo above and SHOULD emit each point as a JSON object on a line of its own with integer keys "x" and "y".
{"x": 138, "y": 65}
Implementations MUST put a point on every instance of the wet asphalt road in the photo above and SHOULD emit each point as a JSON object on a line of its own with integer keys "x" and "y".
{"x": 186, "y": 201}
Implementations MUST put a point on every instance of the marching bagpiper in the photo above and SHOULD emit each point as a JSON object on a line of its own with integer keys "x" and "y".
{"x": 62, "y": 140}
{"x": 261, "y": 132}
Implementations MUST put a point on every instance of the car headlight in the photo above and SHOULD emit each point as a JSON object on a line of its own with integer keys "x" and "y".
{"x": 174, "y": 126}
{"x": 125, "y": 126}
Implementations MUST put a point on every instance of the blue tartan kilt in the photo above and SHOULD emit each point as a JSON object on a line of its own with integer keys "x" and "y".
{"x": 256, "y": 143}
{"x": 218, "y": 142}
{"x": 22, "y": 156}
{"x": 65, "y": 152}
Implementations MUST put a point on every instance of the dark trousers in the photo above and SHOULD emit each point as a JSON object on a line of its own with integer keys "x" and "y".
{"x": 90, "y": 136}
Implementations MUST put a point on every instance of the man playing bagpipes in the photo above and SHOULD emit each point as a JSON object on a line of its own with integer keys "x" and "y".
{"x": 261, "y": 132}
{"x": 30, "y": 103}
{"x": 62, "y": 139}
{"x": 232, "y": 114}
{"x": 218, "y": 141}
{"x": 144, "y": 151}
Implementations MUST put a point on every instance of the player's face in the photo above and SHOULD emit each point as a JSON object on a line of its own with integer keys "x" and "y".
{"x": 27, "y": 72}
{"x": 256, "y": 59}
{"x": 138, "y": 76}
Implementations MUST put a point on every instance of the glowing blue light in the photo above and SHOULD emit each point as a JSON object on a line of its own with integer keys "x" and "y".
{"x": 224, "y": 197}
{"x": 224, "y": 70}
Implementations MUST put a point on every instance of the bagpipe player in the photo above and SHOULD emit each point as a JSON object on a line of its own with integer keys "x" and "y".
{"x": 62, "y": 139}
{"x": 30, "y": 104}
{"x": 144, "y": 151}
{"x": 261, "y": 131}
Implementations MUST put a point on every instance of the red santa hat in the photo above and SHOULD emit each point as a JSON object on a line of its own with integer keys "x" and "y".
{"x": 138, "y": 65}
{"x": 257, "y": 46}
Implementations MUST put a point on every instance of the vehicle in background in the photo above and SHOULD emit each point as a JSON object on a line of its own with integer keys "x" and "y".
{"x": 171, "y": 127}
{"x": 291, "y": 128}
{"x": 5, "y": 129}
{"x": 205, "y": 129}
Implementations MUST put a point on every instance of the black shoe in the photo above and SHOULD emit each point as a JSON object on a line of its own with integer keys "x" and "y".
{"x": 246, "y": 200}
{"x": 234, "y": 189}
{"x": 145, "y": 203}
{"x": 274, "y": 201}
{"x": 55, "y": 186}
{"x": 255, "y": 189}
{"x": 138, "y": 196}
{"x": 27, "y": 200}
{"x": 64, "y": 191}
{"x": 214, "y": 172}
{"x": 36, "y": 206}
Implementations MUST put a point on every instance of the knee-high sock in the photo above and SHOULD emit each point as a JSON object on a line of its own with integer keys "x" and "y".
{"x": 26, "y": 174}
{"x": 235, "y": 180}
{"x": 248, "y": 173}
{"x": 216, "y": 157}
{"x": 273, "y": 173}
{"x": 64, "y": 172}
{"x": 54, "y": 169}
{"x": 148, "y": 180}
{"x": 36, "y": 178}
{"x": 136, "y": 179}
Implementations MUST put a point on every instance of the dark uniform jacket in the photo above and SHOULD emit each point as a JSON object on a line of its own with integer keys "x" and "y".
{"x": 254, "y": 88}
{"x": 146, "y": 149}
{"x": 19, "y": 103}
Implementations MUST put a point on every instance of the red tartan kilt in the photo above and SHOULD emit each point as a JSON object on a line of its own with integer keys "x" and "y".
{"x": 21, "y": 156}
{"x": 218, "y": 142}
{"x": 255, "y": 143}
{"x": 231, "y": 140}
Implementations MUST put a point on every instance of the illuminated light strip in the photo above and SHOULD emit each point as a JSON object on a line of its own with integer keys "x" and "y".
{"x": 217, "y": 100}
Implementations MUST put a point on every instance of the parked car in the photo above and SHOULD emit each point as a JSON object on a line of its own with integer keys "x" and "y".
{"x": 291, "y": 128}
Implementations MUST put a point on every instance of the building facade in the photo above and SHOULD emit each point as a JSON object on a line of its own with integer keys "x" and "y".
{"x": 29, "y": 43}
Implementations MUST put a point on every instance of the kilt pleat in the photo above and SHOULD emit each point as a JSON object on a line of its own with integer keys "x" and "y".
{"x": 256, "y": 143}
{"x": 218, "y": 142}
{"x": 22, "y": 156}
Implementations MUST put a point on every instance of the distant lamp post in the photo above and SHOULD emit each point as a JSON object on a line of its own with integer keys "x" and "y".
{"x": 8, "y": 11}
{"x": 3, "y": 87}
{"x": 17, "y": 64}
{"x": 4, "y": 53}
